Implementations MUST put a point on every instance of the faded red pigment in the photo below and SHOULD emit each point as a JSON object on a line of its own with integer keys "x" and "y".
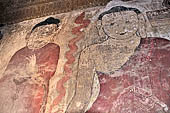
{"x": 70, "y": 58}
{"x": 142, "y": 85}
{"x": 23, "y": 95}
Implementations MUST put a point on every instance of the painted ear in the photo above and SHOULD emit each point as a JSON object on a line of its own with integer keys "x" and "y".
{"x": 100, "y": 31}
{"x": 142, "y": 26}
{"x": 100, "y": 28}
{"x": 28, "y": 35}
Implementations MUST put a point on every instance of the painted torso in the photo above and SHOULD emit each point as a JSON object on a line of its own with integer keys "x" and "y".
{"x": 27, "y": 78}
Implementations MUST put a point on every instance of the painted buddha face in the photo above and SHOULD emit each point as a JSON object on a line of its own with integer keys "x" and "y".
{"x": 120, "y": 25}
{"x": 41, "y": 36}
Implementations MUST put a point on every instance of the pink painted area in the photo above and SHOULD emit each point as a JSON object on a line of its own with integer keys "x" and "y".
{"x": 142, "y": 85}
{"x": 70, "y": 57}
{"x": 18, "y": 92}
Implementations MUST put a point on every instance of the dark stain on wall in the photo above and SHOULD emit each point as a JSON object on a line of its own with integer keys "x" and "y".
{"x": 1, "y": 25}
{"x": 1, "y": 35}
{"x": 166, "y": 3}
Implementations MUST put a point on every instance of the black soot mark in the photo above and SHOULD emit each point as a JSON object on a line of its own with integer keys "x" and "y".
{"x": 1, "y": 35}
{"x": 1, "y": 25}
{"x": 166, "y": 3}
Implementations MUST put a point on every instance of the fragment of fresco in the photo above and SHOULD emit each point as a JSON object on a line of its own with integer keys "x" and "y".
{"x": 44, "y": 97}
{"x": 123, "y": 34}
{"x": 78, "y": 34}
{"x": 142, "y": 85}
{"x": 25, "y": 84}
{"x": 159, "y": 20}
{"x": 115, "y": 70}
{"x": 130, "y": 90}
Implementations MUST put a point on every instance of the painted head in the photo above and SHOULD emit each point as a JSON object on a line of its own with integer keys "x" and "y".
{"x": 42, "y": 33}
{"x": 122, "y": 22}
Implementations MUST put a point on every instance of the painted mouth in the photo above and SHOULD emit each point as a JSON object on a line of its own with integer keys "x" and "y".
{"x": 123, "y": 33}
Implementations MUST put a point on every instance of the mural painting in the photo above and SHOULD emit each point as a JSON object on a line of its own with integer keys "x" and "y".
{"x": 31, "y": 68}
{"x": 141, "y": 85}
{"x": 100, "y": 60}
{"x": 26, "y": 78}
{"x": 120, "y": 44}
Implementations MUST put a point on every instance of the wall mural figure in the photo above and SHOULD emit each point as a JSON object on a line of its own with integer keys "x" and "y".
{"x": 24, "y": 87}
{"x": 124, "y": 27}
{"x": 142, "y": 84}
{"x": 107, "y": 65}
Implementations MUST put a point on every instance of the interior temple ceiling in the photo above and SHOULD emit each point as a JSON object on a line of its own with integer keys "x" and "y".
{"x": 18, "y": 10}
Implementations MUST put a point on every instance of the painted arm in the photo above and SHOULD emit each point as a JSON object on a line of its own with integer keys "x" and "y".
{"x": 84, "y": 84}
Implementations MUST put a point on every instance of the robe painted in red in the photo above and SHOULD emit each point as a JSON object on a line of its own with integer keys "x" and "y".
{"x": 24, "y": 85}
{"x": 142, "y": 85}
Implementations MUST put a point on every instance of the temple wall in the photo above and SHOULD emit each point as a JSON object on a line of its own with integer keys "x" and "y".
{"x": 105, "y": 59}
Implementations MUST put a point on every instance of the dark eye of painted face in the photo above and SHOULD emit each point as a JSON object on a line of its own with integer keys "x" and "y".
{"x": 127, "y": 21}
{"x": 112, "y": 23}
